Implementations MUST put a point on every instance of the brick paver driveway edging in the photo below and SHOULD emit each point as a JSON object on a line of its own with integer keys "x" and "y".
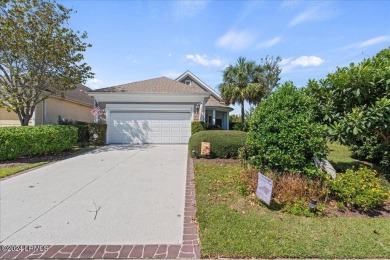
{"x": 189, "y": 249}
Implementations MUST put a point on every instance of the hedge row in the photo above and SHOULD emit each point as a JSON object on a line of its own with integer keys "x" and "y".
{"x": 92, "y": 133}
{"x": 35, "y": 140}
{"x": 223, "y": 144}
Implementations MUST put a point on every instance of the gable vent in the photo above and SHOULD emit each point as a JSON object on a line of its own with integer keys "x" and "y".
{"x": 187, "y": 82}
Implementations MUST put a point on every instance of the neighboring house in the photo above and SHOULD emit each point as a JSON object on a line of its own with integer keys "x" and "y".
{"x": 75, "y": 105}
{"x": 160, "y": 110}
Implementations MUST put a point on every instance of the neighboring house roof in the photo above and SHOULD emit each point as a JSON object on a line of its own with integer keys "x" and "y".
{"x": 156, "y": 85}
{"x": 79, "y": 95}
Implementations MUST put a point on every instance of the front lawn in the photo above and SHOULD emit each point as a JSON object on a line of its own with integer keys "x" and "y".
{"x": 6, "y": 171}
{"x": 231, "y": 225}
{"x": 14, "y": 166}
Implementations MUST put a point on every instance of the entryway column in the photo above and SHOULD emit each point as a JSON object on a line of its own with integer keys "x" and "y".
{"x": 213, "y": 116}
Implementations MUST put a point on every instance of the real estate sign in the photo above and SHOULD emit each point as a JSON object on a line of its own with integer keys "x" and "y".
{"x": 264, "y": 188}
{"x": 205, "y": 148}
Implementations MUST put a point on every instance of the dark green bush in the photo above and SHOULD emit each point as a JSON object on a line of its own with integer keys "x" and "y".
{"x": 283, "y": 135}
{"x": 197, "y": 126}
{"x": 360, "y": 189}
{"x": 213, "y": 127}
{"x": 35, "y": 140}
{"x": 223, "y": 144}
{"x": 97, "y": 133}
{"x": 240, "y": 126}
{"x": 82, "y": 130}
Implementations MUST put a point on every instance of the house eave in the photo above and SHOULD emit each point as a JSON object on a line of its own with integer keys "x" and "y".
{"x": 148, "y": 97}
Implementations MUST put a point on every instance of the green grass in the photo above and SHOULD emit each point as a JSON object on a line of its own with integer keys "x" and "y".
{"x": 231, "y": 226}
{"x": 12, "y": 170}
{"x": 340, "y": 157}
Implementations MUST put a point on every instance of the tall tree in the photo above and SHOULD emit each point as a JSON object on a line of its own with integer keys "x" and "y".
{"x": 271, "y": 73}
{"x": 39, "y": 55}
{"x": 242, "y": 82}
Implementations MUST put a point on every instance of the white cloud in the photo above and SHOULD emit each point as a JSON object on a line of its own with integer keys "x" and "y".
{"x": 94, "y": 83}
{"x": 188, "y": 9}
{"x": 171, "y": 74}
{"x": 269, "y": 43}
{"x": 204, "y": 60}
{"x": 316, "y": 13}
{"x": 236, "y": 40}
{"x": 303, "y": 61}
{"x": 369, "y": 42}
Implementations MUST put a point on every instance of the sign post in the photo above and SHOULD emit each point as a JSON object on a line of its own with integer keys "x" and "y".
{"x": 264, "y": 189}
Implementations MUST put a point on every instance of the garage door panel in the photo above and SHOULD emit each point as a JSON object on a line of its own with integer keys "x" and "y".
{"x": 138, "y": 128}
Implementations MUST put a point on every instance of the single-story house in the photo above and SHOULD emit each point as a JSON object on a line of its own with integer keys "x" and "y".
{"x": 75, "y": 105}
{"x": 159, "y": 110}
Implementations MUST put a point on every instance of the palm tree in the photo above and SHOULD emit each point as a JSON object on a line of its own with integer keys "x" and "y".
{"x": 242, "y": 82}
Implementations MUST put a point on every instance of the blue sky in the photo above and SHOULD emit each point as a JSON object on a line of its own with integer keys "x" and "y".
{"x": 137, "y": 40}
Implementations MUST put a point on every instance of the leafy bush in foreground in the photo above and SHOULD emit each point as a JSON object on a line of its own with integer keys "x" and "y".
{"x": 360, "y": 189}
{"x": 223, "y": 144}
{"x": 35, "y": 140}
{"x": 283, "y": 135}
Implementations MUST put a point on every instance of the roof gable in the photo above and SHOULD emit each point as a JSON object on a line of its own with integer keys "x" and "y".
{"x": 199, "y": 83}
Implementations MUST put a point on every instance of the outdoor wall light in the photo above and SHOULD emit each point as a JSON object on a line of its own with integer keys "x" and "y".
{"x": 197, "y": 107}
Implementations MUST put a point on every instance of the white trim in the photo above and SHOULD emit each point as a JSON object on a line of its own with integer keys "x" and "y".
{"x": 109, "y": 97}
{"x": 195, "y": 78}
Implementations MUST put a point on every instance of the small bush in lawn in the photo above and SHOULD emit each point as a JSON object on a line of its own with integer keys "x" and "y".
{"x": 223, "y": 144}
{"x": 35, "y": 140}
{"x": 197, "y": 126}
{"x": 301, "y": 208}
{"x": 283, "y": 135}
{"x": 360, "y": 189}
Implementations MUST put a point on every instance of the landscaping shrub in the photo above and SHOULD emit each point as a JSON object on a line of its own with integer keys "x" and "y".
{"x": 82, "y": 130}
{"x": 223, "y": 144}
{"x": 213, "y": 127}
{"x": 197, "y": 126}
{"x": 288, "y": 188}
{"x": 35, "y": 140}
{"x": 240, "y": 126}
{"x": 360, "y": 189}
{"x": 97, "y": 133}
{"x": 283, "y": 135}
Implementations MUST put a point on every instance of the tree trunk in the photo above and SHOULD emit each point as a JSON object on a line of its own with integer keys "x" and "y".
{"x": 242, "y": 113}
{"x": 25, "y": 121}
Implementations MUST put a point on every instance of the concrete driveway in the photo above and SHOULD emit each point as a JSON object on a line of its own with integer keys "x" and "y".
{"x": 114, "y": 195}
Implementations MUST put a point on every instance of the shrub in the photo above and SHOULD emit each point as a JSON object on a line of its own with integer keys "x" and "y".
{"x": 301, "y": 208}
{"x": 197, "y": 126}
{"x": 213, "y": 127}
{"x": 288, "y": 188}
{"x": 240, "y": 126}
{"x": 35, "y": 140}
{"x": 360, "y": 189}
{"x": 82, "y": 130}
{"x": 97, "y": 133}
{"x": 283, "y": 135}
{"x": 223, "y": 144}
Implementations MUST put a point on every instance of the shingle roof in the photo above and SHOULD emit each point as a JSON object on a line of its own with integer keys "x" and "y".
{"x": 79, "y": 95}
{"x": 156, "y": 85}
{"x": 213, "y": 102}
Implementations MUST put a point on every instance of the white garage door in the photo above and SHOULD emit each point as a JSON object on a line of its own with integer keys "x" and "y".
{"x": 149, "y": 128}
